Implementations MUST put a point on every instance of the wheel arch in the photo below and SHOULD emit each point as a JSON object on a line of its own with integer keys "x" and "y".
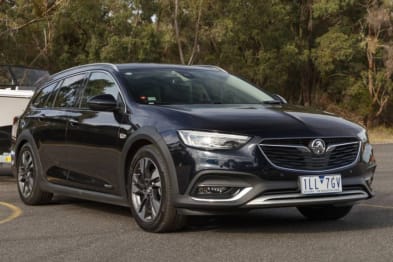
{"x": 142, "y": 137}
{"x": 23, "y": 138}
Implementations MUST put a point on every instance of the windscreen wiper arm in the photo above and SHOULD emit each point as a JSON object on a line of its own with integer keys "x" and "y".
{"x": 272, "y": 102}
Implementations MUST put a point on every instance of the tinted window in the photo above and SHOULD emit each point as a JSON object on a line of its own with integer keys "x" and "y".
{"x": 68, "y": 92}
{"x": 180, "y": 86}
{"x": 5, "y": 77}
{"x": 99, "y": 83}
{"x": 43, "y": 99}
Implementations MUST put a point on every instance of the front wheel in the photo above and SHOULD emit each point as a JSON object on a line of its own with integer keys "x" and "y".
{"x": 150, "y": 191}
{"x": 325, "y": 212}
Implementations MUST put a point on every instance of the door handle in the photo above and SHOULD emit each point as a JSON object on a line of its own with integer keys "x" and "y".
{"x": 41, "y": 117}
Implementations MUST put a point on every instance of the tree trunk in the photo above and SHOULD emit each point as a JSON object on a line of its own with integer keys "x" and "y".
{"x": 196, "y": 35}
{"x": 179, "y": 46}
{"x": 307, "y": 73}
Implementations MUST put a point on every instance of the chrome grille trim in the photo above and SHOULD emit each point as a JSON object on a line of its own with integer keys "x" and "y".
{"x": 304, "y": 149}
{"x": 299, "y": 199}
{"x": 239, "y": 195}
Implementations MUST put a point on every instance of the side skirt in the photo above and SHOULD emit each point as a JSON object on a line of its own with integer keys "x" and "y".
{"x": 84, "y": 194}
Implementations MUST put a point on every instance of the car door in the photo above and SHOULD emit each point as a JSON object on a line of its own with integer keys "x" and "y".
{"x": 52, "y": 127}
{"x": 93, "y": 138}
{"x": 45, "y": 131}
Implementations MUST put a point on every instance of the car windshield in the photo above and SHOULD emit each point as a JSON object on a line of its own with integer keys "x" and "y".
{"x": 191, "y": 86}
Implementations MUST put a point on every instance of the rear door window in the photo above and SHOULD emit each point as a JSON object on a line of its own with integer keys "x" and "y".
{"x": 67, "y": 95}
{"x": 45, "y": 96}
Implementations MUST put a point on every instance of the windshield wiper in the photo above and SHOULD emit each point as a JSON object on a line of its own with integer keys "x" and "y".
{"x": 272, "y": 102}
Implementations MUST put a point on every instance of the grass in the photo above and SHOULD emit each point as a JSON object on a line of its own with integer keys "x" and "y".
{"x": 381, "y": 135}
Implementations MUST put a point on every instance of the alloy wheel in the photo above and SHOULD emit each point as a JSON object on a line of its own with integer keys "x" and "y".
{"x": 26, "y": 174}
{"x": 146, "y": 191}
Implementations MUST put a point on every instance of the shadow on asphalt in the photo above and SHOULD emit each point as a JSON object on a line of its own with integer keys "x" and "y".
{"x": 5, "y": 172}
{"x": 278, "y": 220}
{"x": 7, "y": 179}
{"x": 288, "y": 221}
{"x": 91, "y": 205}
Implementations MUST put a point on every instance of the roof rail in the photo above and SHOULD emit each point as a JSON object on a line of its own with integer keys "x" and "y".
{"x": 213, "y": 66}
{"x": 108, "y": 64}
{"x": 86, "y": 65}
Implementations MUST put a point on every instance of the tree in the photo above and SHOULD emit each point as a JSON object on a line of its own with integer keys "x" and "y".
{"x": 331, "y": 54}
{"x": 379, "y": 50}
{"x": 193, "y": 11}
{"x": 27, "y": 31}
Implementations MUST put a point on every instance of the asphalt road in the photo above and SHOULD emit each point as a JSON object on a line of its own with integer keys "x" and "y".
{"x": 74, "y": 230}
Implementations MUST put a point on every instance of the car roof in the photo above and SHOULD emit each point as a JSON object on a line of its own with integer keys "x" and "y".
{"x": 129, "y": 66}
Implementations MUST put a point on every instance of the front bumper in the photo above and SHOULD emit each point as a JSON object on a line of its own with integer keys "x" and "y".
{"x": 262, "y": 185}
{"x": 259, "y": 193}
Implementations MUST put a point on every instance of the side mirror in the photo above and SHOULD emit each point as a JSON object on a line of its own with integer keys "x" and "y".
{"x": 280, "y": 98}
{"x": 105, "y": 102}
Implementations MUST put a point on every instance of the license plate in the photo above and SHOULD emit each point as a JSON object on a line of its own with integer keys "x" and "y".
{"x": 320, "y": 184}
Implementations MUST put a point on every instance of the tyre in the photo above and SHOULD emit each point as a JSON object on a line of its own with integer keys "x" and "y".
{"x": 28, "y": 178}
{"x": 325, "y": 212}
{"x": 149, "y": 187}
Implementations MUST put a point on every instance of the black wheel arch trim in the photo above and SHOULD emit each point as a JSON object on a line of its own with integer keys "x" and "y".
{"x": 152, "y": 135}
{"x": 22, "y": 137}
{"x": 27, "y": 137}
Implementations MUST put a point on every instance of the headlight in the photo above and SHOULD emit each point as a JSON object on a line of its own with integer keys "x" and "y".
{"x": 210, "y": 140}
{"x": 362, "y": 135}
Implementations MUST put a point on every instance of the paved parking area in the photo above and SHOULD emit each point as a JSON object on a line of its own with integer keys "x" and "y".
{"x": 75, "y": 230}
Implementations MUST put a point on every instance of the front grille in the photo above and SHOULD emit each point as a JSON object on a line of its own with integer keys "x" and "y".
{"x": 306, "y": 141}
{"x": 294, "y": 154}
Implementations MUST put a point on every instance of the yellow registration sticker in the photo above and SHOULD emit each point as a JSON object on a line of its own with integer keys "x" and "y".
{"x": 8, "y": 159}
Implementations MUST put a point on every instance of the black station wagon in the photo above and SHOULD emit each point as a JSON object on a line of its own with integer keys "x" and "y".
{"x": 171, "y": 141}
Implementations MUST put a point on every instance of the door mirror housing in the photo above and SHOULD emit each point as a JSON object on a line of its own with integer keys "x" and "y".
{"x": 105, "y": 102}
{"x": 280, "y": 98}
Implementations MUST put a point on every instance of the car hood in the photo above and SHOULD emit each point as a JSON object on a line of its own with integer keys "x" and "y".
{"x": 260, "y": 120}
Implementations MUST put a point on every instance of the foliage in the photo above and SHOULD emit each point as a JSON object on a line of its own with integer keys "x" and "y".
{"x": 314, "y": 52}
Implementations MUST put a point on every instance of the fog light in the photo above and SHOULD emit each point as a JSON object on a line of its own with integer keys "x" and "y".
{"x": 216, "y": 191}
{"x": 212, "y": 189}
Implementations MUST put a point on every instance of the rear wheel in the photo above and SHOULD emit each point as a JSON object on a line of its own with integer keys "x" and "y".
{"x": 150, "y": 192}
{"x": 27, "y": 177}
{"x": 325, "y": 212}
